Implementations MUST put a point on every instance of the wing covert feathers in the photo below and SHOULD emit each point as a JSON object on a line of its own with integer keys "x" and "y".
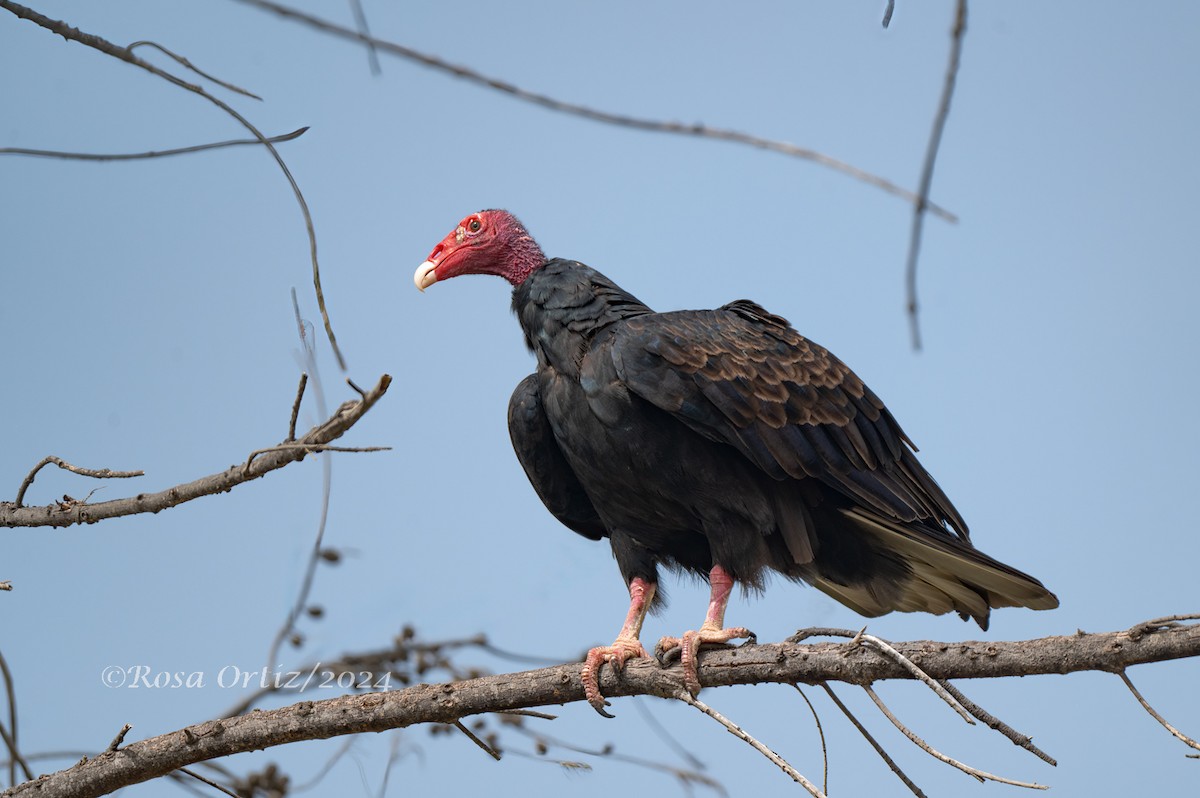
{"x": 742, "y": 376}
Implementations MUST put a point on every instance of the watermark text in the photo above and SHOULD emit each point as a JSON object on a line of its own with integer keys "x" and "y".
{"x": 145, "y": 677}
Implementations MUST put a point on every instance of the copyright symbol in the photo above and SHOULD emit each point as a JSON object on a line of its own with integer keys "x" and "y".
{"x": 113, "y": 676}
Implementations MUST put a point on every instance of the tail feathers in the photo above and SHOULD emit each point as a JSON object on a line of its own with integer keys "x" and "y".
{"x": 945, "y": 574}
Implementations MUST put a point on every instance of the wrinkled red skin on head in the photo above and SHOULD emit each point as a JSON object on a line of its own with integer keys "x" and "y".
{"x": 488, "y": 242}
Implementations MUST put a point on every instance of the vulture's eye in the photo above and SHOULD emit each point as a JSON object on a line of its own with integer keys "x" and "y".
{"x": 474, "y": 226}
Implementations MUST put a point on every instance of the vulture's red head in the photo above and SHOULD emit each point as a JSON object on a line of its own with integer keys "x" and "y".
{"x": 488, "y": 242}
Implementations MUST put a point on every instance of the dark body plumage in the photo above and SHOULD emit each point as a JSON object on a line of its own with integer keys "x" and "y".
{"x": 723, "y": 436}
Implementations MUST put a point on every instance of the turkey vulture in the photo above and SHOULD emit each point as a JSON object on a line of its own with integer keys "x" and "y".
{"x": 722, "y": 443}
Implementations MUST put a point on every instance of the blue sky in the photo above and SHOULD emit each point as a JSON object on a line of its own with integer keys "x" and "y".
{"x": 147, "y": 311}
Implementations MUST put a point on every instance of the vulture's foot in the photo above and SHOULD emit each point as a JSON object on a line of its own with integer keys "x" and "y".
{"x": 689, "y": 646}
{"x": 623, "y": 648}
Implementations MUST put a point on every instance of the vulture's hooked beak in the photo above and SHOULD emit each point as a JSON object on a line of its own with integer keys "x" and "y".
{"x": 425, "y": 275}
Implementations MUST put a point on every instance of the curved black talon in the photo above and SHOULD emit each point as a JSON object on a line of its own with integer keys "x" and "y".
{"x": 603, "y": 714}
{"x": 751, "y": 640}
{"x": 665, "y": 657}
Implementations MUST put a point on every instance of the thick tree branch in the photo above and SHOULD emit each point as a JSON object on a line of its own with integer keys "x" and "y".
{"x": 786, "y": 663}
{"x": 264, "y": 461}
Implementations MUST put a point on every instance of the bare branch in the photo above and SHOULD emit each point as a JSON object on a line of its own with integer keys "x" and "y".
{"x": 994, "y": 723}
{"x": 96, "y": 473}
{"x": 663, "y": 734}
{"x": 528, "y": 713}
{"x": 393, "y": 758}
{"x": 186, "y": 64}
{"x": 492, "y": 752}
{"x": 741, "y": 734}
{"x": 927, "y": 748}
{"x": 821, "y": 734}
{"x": 606, "y": 117}
{"x": 782, "y": 663}
{"x": 296, "y": 407}
{"x": 887, "y": 13}
{"x": 67, "y": 514}
{"x": 328, "y": 766}
{"x": 310, "y": 366}
{"x": 545, "y": 741}
{"x": 126, "y": 55}
{"x": 209, "y": 782}
{"x": 120, "y": 738}
{"x": 10, "y": 735}
{"x": 935, "y": 141}
{"x": 88, "y": 156}
{"x": 941, "y": 692}
{"x": 310, "y": 447}
{"x": 1188, "y": 741}
{"x": 360, "y": 19}
{"x": 1154, "y": 625}
{"x": 891, "y": 763}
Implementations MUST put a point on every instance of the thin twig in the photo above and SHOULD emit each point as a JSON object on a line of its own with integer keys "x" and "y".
{"x": 528, "y": 713}
{"x": 131, "y": 156}
{"x": 886, "y": 648}
{"x": 96, "y": 473}
{"x": 740, "y": 733}
{"x": 346, "y": 745}
{"x": 14, "y": 758}
{"x": 821, "y": 732}
{"x": 184, "y": 783}
{"x": 1188, "y": 741}
{"x": 606, "y": 117}
{"x": 186, "y": 64}
{"x": 492, "y": 752}
{"x": 891, "y": 763}
{"x": 124, "y": 54}
{"x": 609, "y": 752}
{"x": 512, "y": 656}
{"x": 881, "y": 645}
{"x": 1138, "y": 631}
{"x": 394, "y": 756}
{"x": 10, "y": 739}
{"x": 565, "y": 764}
{"x": 665, "y": 735}
{"x": 314, "y": 558}
{"x": 209, "y": 782}
{"x": 310, "y": 447}
{"x": 800, "y": 635}
{"x": 296, "y": 406}
{"x": 120, "y": 738}
{"x": 1023, "y": 740}
{"x": 931, "y": 151}
{"x": 360, "y": 19}
{"x": 887, "y": 13}
{"x": 927, "y": 748}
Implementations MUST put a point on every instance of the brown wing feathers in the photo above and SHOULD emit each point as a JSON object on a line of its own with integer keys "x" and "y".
{"x": 741, "y": 375}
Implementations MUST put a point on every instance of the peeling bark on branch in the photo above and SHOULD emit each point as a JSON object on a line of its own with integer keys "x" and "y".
{"x": 786, "y": 663}
{"x": 261, "y": 462}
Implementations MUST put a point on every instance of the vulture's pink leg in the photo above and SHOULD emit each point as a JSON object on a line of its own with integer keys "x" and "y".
{"x": 713, "y": 630}
{"x": 626, "y": 646}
